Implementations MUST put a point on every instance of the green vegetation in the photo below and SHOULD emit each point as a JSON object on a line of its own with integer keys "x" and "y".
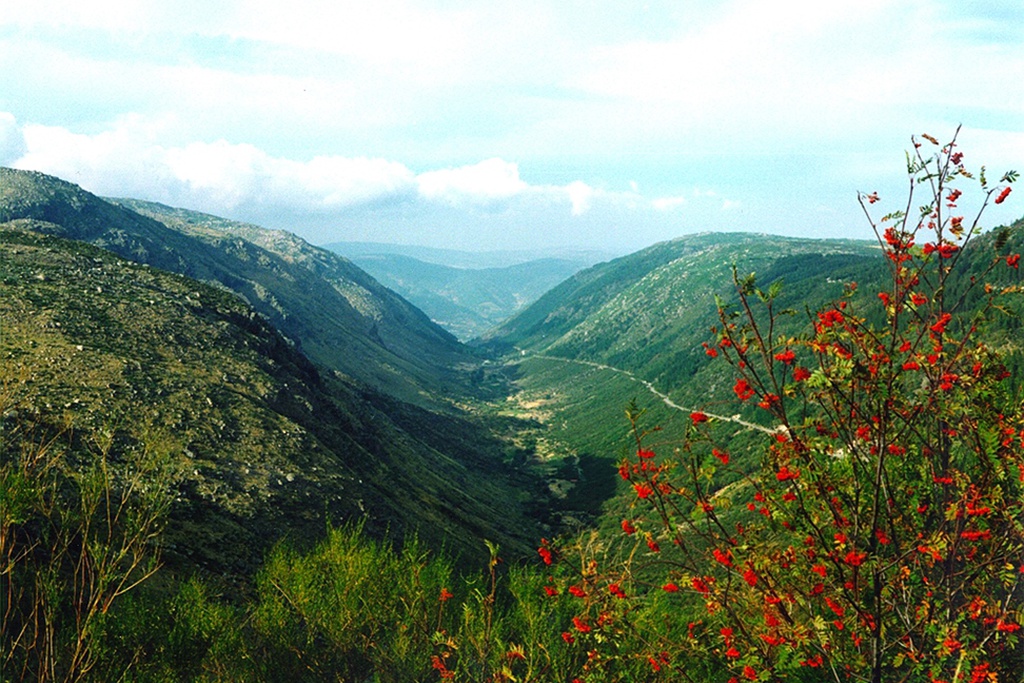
{"x": 266, "y": 466}
{"x": 81, "y": 516}
{"x": 588, "y": 346}
{"x": 625, "y": 329}
{"x": 879, "y": 533}
{"x": 352, "y": 609}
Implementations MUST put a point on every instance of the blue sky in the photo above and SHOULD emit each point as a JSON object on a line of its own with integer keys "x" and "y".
{"x": 490, "y": 125}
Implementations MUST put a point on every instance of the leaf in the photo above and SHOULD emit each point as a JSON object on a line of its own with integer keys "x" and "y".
{"x": 746, "y": 285}
{"x": 913, "y": 166}
{"x": 820, "y": 627}
{"x": 817, "y": 380}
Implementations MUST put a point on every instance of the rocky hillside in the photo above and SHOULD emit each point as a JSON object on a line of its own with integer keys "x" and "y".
{"x": 333, "y": 311}
{"x": 267, "y": 444}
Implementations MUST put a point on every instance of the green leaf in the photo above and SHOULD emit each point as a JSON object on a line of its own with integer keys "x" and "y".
{"x": 746, "y": 285}
{"x": 817, "y": 380}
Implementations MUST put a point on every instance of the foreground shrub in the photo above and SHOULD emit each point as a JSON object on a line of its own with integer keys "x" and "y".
{"x": 881, "y": 538}
{"x": 80, "y": 516}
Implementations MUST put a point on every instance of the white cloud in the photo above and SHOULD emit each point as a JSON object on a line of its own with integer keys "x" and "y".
{"x": 408, "y": 39}
{"x": 232, "y": 175}
{"x": 750, "y": 50}
{"x": 580, "y": 196}
{"x": 418, "y": 80}
{"x": 381, "y": 32}
{"x": 754, "y": 77}
{"x": 106, "y": 14}
{"x": 486, "y": 181}
{"x": 12, "y": 142}
{"x": 668, "y": 203}
{"x": 219, "y": 176}
{"x": 119, "y": 160}
{"x": 237, "y": 180}
{"x": 226, "y": 174}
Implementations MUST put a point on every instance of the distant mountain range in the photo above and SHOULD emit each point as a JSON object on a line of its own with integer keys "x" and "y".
{"x": 467, "y": 302}
{"x": 456, "y": 258}
{"x": 467, "y": 293}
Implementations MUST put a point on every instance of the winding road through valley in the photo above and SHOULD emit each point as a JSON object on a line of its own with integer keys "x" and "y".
{"x": 651, "y": 388}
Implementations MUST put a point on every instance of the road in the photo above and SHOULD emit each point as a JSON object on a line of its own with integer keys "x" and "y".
{"x": 651, "y": 388}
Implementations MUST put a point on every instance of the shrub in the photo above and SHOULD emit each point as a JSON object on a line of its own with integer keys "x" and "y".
{"x": 881, "y": 536}
{"x": 79, "y": 520}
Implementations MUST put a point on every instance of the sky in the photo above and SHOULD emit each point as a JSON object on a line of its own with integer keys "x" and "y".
{"x": 479, "y": 125}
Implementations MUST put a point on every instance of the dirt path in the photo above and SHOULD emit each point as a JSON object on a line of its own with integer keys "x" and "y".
{"x": 650, "y": 387}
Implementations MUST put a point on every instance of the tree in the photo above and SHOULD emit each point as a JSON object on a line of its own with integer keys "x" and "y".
{"x": 881, "y": 538}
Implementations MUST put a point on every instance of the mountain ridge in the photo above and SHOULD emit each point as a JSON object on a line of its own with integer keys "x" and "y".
{"x": 333, "y": 310}
{"x": 455, "y": 258}
{"x": 645, "y": 316}
{"x": 590, "y": 345}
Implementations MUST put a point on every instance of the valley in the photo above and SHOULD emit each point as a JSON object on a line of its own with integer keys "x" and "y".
{"x": 466, "y": 293}
{"x": 665, "y": 398}
{"x": 295, "y": 418}
{"x": 363, "y": 414}
{"x": 394, "y": 396}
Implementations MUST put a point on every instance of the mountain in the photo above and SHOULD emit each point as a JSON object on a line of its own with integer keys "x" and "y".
{"x": 337, "y": 314}
{"x": 356, "y": 392}
{"x": 633, "y": 329}
{"x": 474, "y": 260}
{"x": 648, "y": 312}
{"x": 268, "y": 444}
{"x": 467, "y": 301}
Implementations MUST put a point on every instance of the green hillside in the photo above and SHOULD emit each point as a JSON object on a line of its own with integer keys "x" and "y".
{"x": 643, "y": 317}
{"x": 633, "y": 329}
{"x": 270, "y": 446}
{"x": 337, "y": 314}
